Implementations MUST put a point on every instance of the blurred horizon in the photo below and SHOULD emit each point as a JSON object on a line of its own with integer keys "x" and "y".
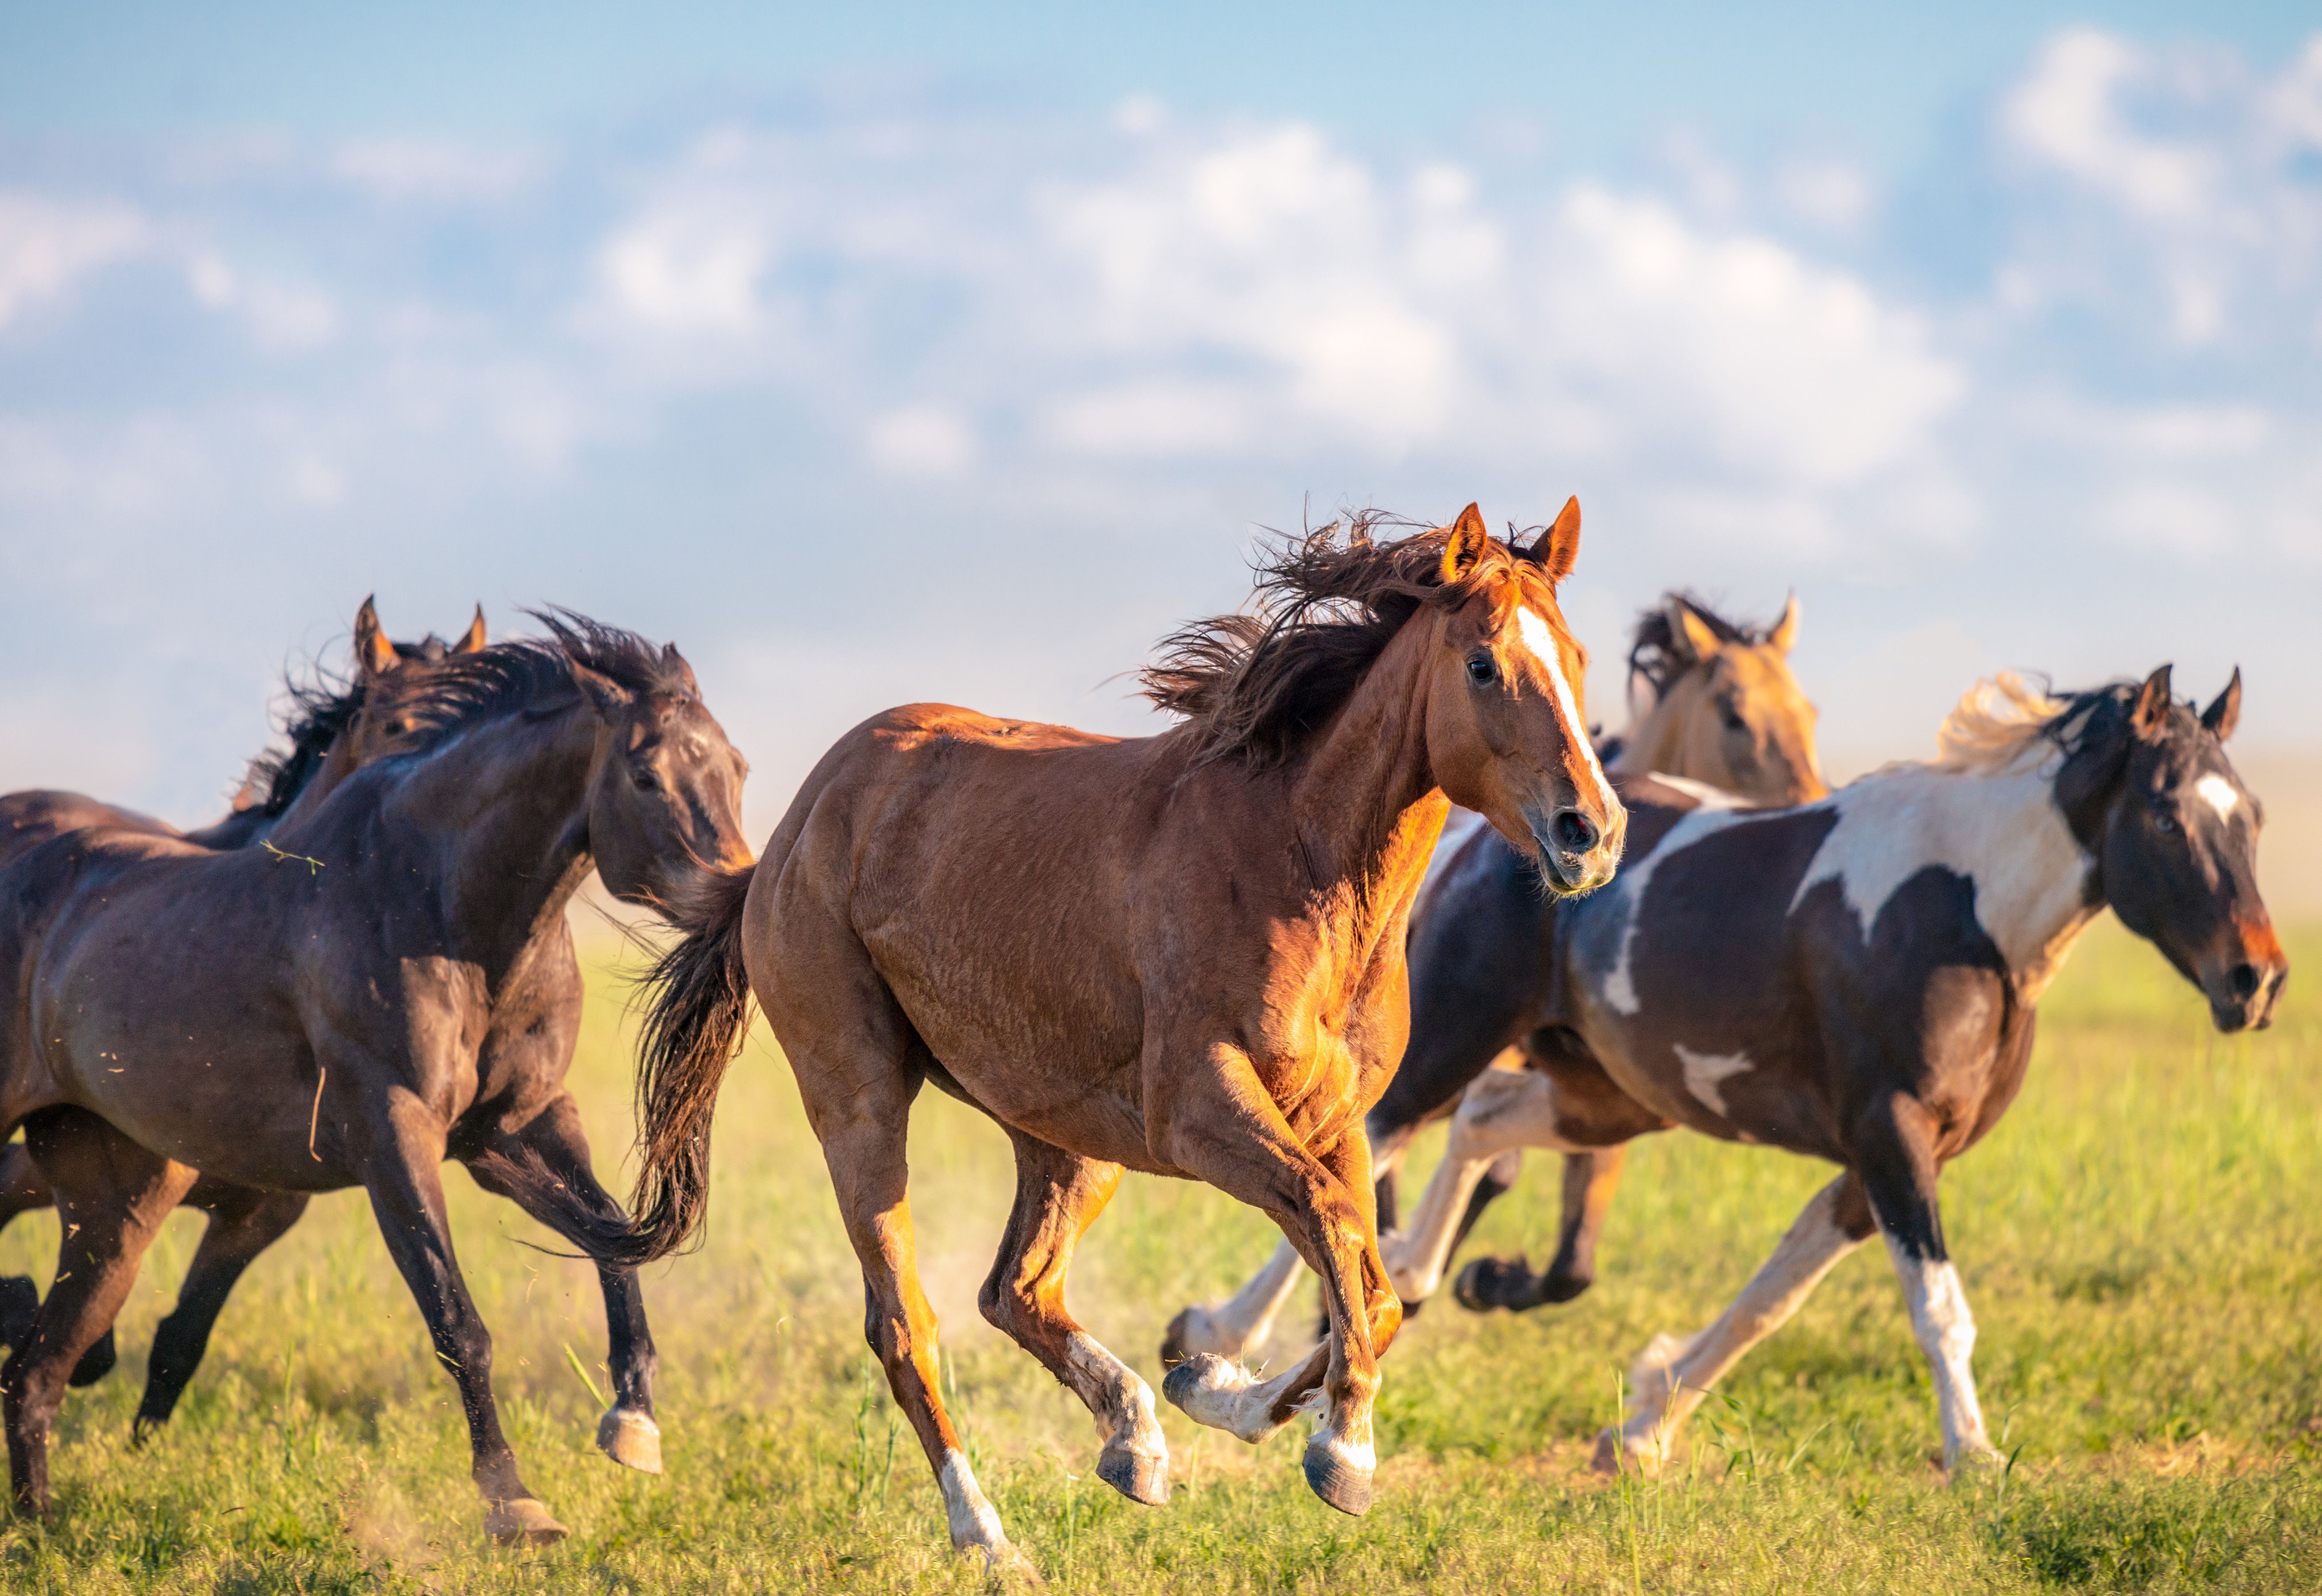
{"x": 904, "y": 352}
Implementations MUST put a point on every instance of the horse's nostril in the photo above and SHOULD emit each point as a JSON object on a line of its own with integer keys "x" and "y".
{"x": 2245, "y": 980}
{"x": 1574, "y": 832}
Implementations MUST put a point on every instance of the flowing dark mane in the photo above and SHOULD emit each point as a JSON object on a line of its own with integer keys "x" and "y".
{"x": 1254, "y": 686}
{"x": 525, "y": 673}
{"x": 1657, "y": 656}
{"x": 317, "y": 713}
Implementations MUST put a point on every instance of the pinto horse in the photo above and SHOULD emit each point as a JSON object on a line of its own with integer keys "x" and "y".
{"x": 1710, "y": 700}
{"x": 387, "y": 987}
{"x": 1181, "y": 954}
{"x": 328, "y": 739}
{"x": 1855, "y": 980}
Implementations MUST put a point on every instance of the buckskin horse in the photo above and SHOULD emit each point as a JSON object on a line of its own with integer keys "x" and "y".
{"x": 380, "y": 993}
{"x": 1710, "y": 700}
{"x": 1181, "y": 954}
{"x": 1855, "y": 979}
{"x": 328, "y": 738}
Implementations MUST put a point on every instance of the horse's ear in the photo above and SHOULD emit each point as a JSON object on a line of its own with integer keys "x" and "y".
{"x": 1699, "y": 640}
{"x": 1470, "y": 541}
{"x": 1785, "y": 634}
{"x": 603, "y": 691}
{"x": 471, "y": 640}
{"x": 676, "y": 662}
{"x": 1559, "y": 546}
{"x": 2151, "y": 715}
{"x": 2223, "y": 716}
{"x": 374, "y": 654}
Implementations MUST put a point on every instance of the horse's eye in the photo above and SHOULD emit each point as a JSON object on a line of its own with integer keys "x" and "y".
{"x": 645, "y": 780}
{"x": 1733, "y": 719}
{"x": 2164, "y": 823}
{"x": 1482, "y": 671}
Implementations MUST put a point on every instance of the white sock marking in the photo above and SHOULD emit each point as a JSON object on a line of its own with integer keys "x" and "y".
{"x": 974, "y": 1520}
{"x": 1946, "y": 1333}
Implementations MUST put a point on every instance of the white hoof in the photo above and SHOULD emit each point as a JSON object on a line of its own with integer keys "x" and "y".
{"x": 631, "y": 1439}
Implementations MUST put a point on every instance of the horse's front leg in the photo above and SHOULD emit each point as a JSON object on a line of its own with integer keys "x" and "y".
{"x": 1221, "y": 1124}
{"x": 1895, "y": 1156}
{"x": 243, "y": 1223}
{"x": 402, "y": 1170}
{"x": 572, "y": 1203}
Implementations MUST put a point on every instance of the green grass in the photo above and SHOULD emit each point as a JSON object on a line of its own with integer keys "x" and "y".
{"x": 2138, "y": 1238}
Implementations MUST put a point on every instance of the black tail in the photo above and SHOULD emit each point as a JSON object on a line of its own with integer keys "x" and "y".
{"x": 697, "y": 1007}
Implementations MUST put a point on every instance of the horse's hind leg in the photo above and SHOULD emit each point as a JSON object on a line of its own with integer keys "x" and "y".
{"x": 22, "y": 1188}
{"x": 243, "y": 1223}
{"x": 112, "y": 1197}
{"x": 403, "y": 1175}
{"x": 1058, "y": 1194}
{"x": 1590, "y": 1180}
{"x": 627, "y": 1433}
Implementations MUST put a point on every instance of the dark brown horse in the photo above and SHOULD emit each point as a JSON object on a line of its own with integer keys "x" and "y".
{"x": 1710, "y": 700}
{"x": 1181, "y": 954}
{"x": 328, "y": 738}
{"x": 405, "y": 998}
{"x": 1855, "y": 980}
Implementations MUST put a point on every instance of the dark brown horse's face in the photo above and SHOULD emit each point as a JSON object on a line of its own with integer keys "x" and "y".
{"x": 1507, "y": 733}
{"x": 664, "y": 794}
{"x": 2179, "y": 856}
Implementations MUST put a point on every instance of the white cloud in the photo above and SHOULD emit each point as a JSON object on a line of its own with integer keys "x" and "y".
{"x": 47, "y": 242}
{"x": 436, "y": 171}
{"x": 921, "y": 440}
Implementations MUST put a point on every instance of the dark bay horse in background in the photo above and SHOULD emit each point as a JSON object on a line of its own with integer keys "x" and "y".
{"x": 1856, "y": 978}
{"x": 282, "y": 1027}
{"x": 1181, "y": 954}
{"x": 1709, "y": 700}
{"x": 327, "y": 739}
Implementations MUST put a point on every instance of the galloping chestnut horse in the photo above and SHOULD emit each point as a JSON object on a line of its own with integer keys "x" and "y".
{"x": 1709, "y": 700}
{"x": 1181, "y": 954}
{"x": 328, "y": 739}
{"x": 1855, "y": 980}
{"x": 384, "y": 990}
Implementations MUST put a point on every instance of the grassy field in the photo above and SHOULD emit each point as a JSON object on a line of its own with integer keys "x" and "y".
{"x": 2139, "y": 1239}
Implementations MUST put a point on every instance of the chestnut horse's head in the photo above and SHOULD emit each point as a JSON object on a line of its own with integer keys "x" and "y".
{"x": 2175, "y": 836}
{"x": 1724, "y": 707}
{"x": 1506, "y": 732}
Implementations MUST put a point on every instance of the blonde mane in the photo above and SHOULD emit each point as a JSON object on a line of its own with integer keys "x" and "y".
{"x": 1995, "y": 724}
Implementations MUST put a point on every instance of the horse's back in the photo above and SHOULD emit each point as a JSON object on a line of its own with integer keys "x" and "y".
{"x": 28, "y": 819}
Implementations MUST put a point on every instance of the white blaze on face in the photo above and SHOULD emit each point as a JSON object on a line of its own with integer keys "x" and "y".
{"x": 2219, "y": 793}
{"x": 1533, "y": 632}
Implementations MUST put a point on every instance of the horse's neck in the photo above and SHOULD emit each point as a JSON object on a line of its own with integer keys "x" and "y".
{"x": 1364, "y": 800}
{"x": 2002, "y": 828}
{"x": 513, "y": 795}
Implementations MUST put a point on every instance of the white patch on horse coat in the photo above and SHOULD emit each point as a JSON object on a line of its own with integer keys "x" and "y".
{"x": 1946, "y": 1333}
{"x": 1704, "y": 1070}
{"x": 1542, "y": 644}
{"x": 1503, "y": 1111}
{"x": 1702, "y": 793}
{"x": 1136, "y": 1428}
{"x": 973, "y": 1520}
{"x": 2001, "y": 830}
{"x": 2220, "y": 794}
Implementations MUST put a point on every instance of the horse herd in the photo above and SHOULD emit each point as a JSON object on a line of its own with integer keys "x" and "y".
{"x": 1234, "y": 952}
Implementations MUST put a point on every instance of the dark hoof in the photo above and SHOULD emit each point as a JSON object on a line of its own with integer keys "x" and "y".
{"x": 144, "y": 1427}
{"x": 95, "y": 1364}
{"x": 1497, "y": 1282}
{"x": 1137, "y": 1477}
{"x": 1172, "y": 1340}
{"x": 1337, "y": 1483}
{"x": 19, "y": 1304}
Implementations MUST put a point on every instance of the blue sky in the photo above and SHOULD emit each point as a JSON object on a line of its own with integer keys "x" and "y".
{"x": 906, "y": 351}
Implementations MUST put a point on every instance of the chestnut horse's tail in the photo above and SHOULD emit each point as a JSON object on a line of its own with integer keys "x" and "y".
{"x": 698, "y": 1009}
